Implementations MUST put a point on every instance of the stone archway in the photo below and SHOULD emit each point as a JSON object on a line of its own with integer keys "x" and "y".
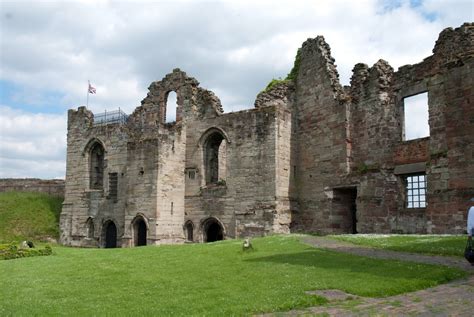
{"x": 213, "y": 230}
{"x": 139, "y": 232}
{"x": 110, "y": 234}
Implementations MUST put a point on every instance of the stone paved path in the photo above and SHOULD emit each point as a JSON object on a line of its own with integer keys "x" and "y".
{"x": 452, "y": 299}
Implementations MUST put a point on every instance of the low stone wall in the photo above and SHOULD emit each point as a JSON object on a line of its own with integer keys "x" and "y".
{"x": 53, "y": 187}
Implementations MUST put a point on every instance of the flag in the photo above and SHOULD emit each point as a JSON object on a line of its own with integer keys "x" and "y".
{"x": 91, "y": 89}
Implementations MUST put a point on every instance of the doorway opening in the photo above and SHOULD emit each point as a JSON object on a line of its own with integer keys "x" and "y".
{"x": 344, "y": 209}
{"x": 213, "y": 230}
{"x": 110, "y": 234}
{"x": 139, "y": 232}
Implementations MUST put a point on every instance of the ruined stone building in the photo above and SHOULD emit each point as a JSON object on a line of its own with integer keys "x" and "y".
{"x": 312, "y": 156}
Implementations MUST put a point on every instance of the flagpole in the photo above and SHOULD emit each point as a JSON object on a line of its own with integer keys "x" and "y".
{"x": 88, "y": 85}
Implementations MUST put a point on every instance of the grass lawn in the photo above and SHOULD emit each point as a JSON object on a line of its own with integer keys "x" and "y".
{"x": 448, "y": 245}
{"x": 28, "y": 216}
{"x": 214, "y": 279}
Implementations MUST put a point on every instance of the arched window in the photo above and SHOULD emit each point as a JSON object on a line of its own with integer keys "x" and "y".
{"x": 215, "y": 158}
{"x": 171, "y": 107}
{"x": 97, "y": 166}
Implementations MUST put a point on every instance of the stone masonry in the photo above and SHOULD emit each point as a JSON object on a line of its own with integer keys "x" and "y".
{"x": 53, "y": 187}
{"x": 312, "y": 156}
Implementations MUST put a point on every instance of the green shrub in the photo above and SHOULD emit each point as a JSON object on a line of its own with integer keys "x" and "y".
{"x": 11, "y": 251}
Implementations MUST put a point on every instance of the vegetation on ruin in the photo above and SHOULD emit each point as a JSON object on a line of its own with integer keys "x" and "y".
{"x": 28, "y": 216}
{"x": 214, "y": 279}
{"x": 447, "y": 245}
{"x": 291, "y": 75}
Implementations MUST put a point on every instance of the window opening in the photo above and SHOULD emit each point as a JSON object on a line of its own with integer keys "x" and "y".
{"x": 97, "y": 166}
{"x": 215, "y": 158}
{"x": 113, "y": 186}
{"x": 191, "y": 174}
{"x": 416, "y": 116}
{"x": 416, "y": 191}
{"x": 171, "y": 106}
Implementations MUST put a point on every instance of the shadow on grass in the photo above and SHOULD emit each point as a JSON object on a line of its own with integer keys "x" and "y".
{"x": 347, "y": 263}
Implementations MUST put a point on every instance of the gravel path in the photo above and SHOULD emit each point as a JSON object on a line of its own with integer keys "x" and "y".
{"x": 452, "y": 299}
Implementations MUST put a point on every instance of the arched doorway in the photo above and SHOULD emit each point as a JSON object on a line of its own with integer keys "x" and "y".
{"x": 110, "y": 234}
{"x": 213, "y": 230}
{"x": 139, "y": 231}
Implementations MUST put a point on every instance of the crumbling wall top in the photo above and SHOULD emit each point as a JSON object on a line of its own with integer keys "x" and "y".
{"x": 320, "y": 48}
{"x": 454, "y": 44}
{"x": 281, "y": 94}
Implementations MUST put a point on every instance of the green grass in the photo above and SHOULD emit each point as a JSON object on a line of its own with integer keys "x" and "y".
{"x": 447, "y": 245}
{"x": 214, "y": 279}
{"x": 28, "y": 216}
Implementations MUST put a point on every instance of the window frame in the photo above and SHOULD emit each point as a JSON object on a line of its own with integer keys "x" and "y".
{"x": 415, "y": 200}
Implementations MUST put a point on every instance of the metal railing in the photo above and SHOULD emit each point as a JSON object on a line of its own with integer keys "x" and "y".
{"x": 110, "y": 117}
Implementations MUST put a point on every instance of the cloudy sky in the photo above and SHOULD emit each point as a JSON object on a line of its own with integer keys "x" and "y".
{"x": 50, "y": 49}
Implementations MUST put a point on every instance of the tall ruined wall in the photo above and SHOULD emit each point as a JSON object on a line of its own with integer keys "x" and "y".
{"x": 54, "y": 187}
{"x": 375, "y": 132}
{"x": 320, "y": 134}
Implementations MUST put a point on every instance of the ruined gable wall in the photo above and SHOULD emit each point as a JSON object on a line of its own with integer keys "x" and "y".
{"x": 320, "y": 135}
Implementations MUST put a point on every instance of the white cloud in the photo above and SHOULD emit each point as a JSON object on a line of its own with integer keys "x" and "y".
{"x": 32, "y": 145}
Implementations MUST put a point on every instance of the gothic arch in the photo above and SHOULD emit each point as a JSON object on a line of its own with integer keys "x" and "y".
{"x": 95, "y": 151}
{"x": 189, "y": 230}
{"x": 212, "y": 230}
{"x": 109, "y": 236}
{"x": 214, "y": 155}
{"x": 140, "y": 229}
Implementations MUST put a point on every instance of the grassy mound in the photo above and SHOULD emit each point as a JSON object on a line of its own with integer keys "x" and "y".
{"x": 28, "y": 216}
{"x": 214, "y": 279}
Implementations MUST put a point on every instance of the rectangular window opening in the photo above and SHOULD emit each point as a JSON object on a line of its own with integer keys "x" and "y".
{"x": 113, "y": 186}
{"x": 416, "y": 191}
{"x": 416, "y": 124}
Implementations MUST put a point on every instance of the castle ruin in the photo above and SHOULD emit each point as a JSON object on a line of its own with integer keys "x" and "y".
{"x": 312, "y": 156}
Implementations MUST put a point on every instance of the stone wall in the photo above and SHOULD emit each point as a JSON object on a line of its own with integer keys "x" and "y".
{"x": 54, "y": 187}
{"x": 312, "y": 156}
